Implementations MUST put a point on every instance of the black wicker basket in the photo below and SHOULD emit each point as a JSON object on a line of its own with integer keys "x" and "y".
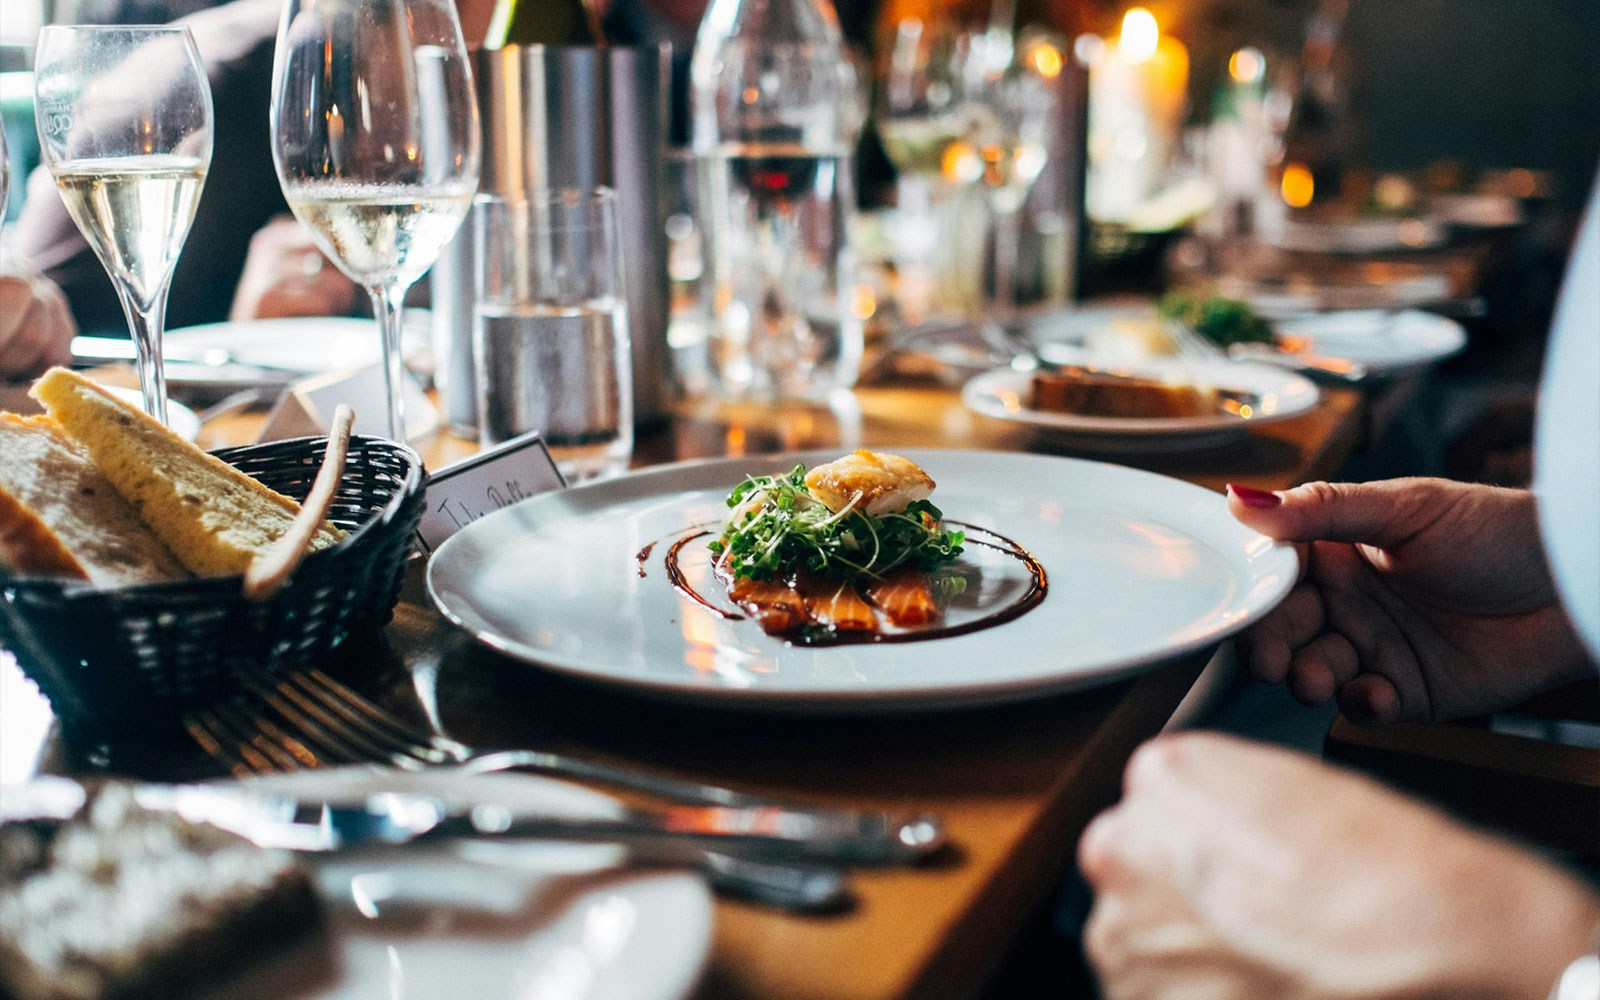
{"x": 122, "y": 660}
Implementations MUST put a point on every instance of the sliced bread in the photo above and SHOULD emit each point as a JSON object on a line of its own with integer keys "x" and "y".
{"x": 60, "y": 517}
{"x": 213, "y": 517}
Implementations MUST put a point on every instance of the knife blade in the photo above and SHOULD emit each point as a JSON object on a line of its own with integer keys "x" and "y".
{"x": 91, "y": 350}
{"x": 312, "y": 827}
{"x": 392, "y": 819}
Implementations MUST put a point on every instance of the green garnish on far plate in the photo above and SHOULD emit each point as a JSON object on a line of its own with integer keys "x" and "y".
{"x": 1221, "y": 320}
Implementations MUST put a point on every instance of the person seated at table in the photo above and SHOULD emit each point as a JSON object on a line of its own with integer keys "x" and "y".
{"x": 240, "y": 197}
{"x": 284, "y": 274}
{"x": 36, "y": 326}
{"x": 1233, "y": 870}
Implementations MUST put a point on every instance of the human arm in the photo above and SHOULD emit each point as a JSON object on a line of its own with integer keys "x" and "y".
{"x": 1234, "y": 870}
{"x": 36, "y": 327}
{"x": 285, "y": 274}
{"x": 1419, "y": 599}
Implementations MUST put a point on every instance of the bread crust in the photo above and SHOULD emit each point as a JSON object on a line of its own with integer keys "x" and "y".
{"x": 214, "y": 518}
{"x": 60, "y": 502}
{"x": 27, "y": 545}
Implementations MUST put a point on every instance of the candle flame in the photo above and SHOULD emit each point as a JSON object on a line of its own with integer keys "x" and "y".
{"x": 1140, "y": 35}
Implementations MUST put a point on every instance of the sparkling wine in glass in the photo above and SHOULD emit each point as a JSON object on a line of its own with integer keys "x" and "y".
{"x": 375, "y": 138}
{"x": 922, "y": 105}
{"x": 124, "y": 118}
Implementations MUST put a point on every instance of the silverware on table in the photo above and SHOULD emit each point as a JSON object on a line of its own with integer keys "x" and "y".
{"x": 309, "y": 719}
{"x": 102, "y": 350}
{"x": 392, "y": 820}
{"x": 1317, "y": 366}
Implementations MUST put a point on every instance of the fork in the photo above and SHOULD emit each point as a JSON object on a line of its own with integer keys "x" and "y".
{"x": 321, "y": 720}
{"x": 1191, "y": 344}
{"x": 325, "y": 715}
{"x": 1194, "y": 346}
{"x": 251, "y": 744}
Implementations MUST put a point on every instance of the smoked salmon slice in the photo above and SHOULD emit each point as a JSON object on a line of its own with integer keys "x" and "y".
{"x": 837, "y": 605}
{"x": 905, "y": 596}
{"x": 776, "y": 606}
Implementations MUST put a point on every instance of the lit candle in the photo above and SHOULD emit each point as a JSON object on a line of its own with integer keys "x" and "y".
{"x": 1137, "y": 93}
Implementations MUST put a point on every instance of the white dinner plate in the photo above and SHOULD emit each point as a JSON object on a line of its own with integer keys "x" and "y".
{"x": 485, "y": 920}
{"x": 1139, "y": 568}
{"x": 1278, "y": 395}
{"x": 1386, "y": 344}
{"x": 184, "y": 422}
{"x": 268, "y": 352}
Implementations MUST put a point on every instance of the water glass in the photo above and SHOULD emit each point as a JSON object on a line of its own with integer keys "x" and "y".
{"x": 550, "y": 328}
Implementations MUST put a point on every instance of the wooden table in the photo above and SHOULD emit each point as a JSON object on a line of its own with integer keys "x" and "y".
{"x": 1015, "y": 785}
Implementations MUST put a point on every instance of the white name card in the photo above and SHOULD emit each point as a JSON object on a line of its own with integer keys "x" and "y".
{"x": 307, "y": 406}
{"x": 460, "y": 494}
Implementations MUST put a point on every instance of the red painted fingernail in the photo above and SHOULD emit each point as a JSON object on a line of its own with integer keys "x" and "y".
{"x": 1251, "y": 497}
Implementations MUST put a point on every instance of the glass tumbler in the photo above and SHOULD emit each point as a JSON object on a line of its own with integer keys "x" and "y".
{"x": 550, "y": 328}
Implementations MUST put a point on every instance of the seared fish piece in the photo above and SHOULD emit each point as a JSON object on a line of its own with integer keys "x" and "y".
{"x": 884, "y": 483}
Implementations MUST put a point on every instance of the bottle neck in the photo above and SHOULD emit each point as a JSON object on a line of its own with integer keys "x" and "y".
{"x": 544, "y": 22}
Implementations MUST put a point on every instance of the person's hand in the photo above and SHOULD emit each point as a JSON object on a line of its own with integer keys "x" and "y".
{"x": 36, "y": 327}
{"x": 1419, "y": 599}
{"x": 1233, "y": 870}
{"x": 285, "y": 274}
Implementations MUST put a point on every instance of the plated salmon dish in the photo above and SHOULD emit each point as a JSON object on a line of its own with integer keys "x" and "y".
{"x": 845, "y": 547}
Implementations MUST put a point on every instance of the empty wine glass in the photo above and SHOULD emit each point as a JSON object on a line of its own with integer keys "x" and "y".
{"x": 375, "y": 138}
{"x": 124, "y": 119}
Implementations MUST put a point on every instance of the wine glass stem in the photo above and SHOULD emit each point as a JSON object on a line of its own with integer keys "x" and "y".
{"x": 388, "y": 304}
{"x": 1007, "y": 240}
{"x": 146, "y": 322}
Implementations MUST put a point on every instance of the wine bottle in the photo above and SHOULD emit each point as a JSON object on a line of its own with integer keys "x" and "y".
{"x": 543, "y": 22}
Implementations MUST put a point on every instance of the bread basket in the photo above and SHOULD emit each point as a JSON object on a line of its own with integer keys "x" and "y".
{"x": 125, "y": 660}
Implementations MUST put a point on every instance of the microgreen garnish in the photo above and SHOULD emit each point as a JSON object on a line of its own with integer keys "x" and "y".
{"x": 776, "y": 528}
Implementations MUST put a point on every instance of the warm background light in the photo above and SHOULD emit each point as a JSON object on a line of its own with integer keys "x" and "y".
{"x": 1140, "y": 35}
{"x": 1046, "y": 60}
{"x": 1247, "y": 66}
{"x": 1297, "y": 186}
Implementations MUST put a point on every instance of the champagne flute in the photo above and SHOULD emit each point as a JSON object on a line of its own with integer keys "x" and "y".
{"x": 375, "y": 138}
{"x": 124, "y": 118}
{"x": 5, "y": 175}
{"x": 1011, "y": 136}
{"x": 922, "y": 107}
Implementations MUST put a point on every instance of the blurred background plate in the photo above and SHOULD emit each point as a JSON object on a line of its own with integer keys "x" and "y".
{"x": 1386, "y": 344}
{"x": 1004, "y": 394}
{"x": 263, "y": 353}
